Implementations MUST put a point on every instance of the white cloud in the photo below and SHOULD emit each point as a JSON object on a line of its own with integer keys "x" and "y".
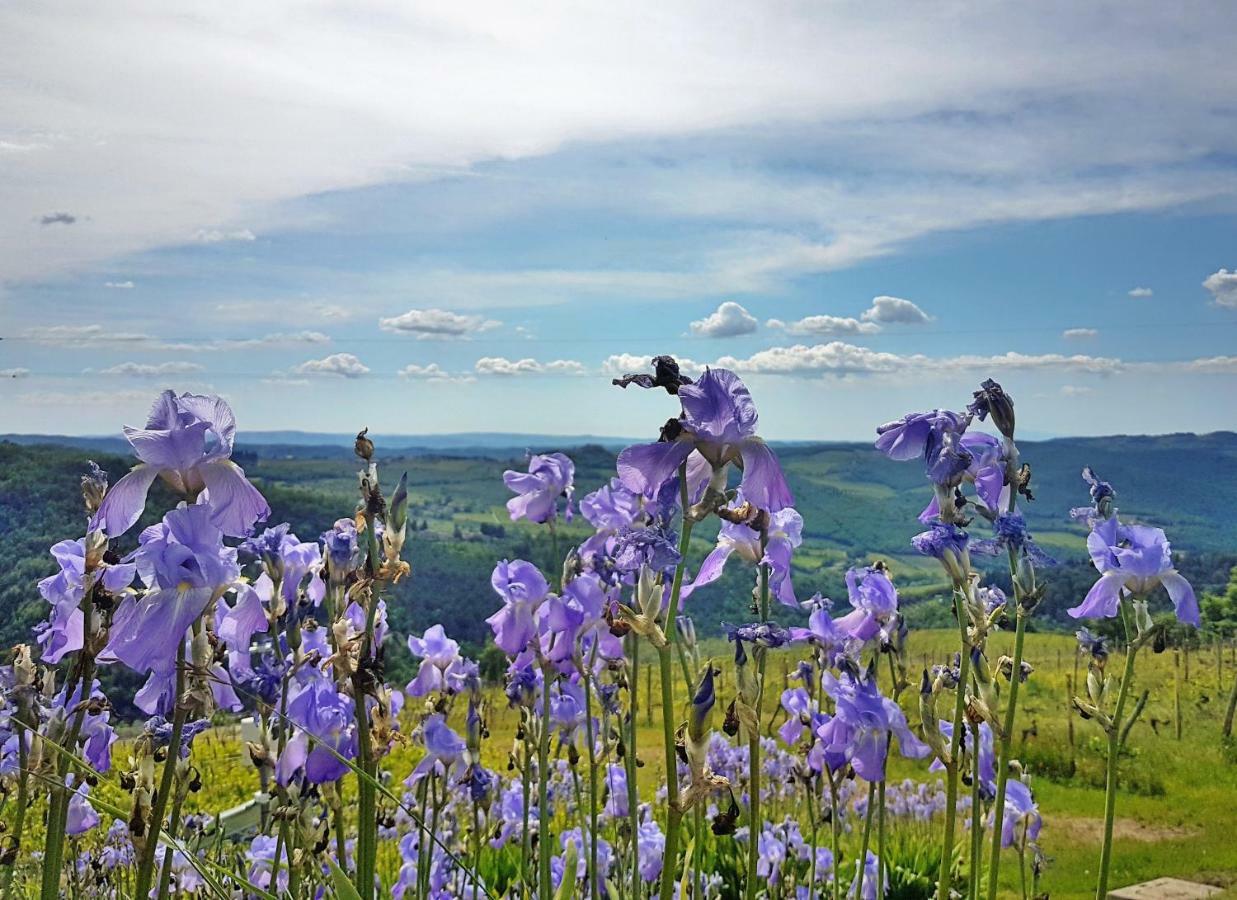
{"x": 840, "y": 358}
{"x": 119, "y": 285}
{"x": 498, "y": 365}
{"x": 285, "y": 310}
{"x": 1141, "y": 292}
{"x": 147, "y": 370}
{"x": 729, "y": 319}
{"x": 1076, "y": 390}
{"x": 220, "y": 236}
{"x": 74, "y": 335}
{"x": 14, "y": 373}
{"x": 433, "y": 372}
{"x": 221, "y": 117}
{"x": 620, "y": 364}
{"x": 344, "y": 364}
{"x": 895, "y": 311}
{"x": 1079, "y": 334}
{"x": 824, "y": 324}
{"x": 1223, "y": 287}
{"x": 1217, "y": 365}
{"x": 437, "y": 323}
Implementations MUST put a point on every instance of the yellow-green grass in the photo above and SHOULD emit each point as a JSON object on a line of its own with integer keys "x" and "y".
{"x": 1178, "y": 817}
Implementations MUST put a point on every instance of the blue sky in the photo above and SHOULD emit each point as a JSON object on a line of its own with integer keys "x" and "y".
{"x": 469, "y": 219}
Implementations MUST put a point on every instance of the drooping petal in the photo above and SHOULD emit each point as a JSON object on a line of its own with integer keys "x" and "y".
{"x": 145, "y": 632}
{"x": 235, "y": 503}
{"x": 1103, "y": 601}
{"x": 1182, "y": 594}
{"x": 710, "y": 569}
{"x": 644, "y": 468}
{"x": 763, "y": 482}
{"x": 123, "y": 504}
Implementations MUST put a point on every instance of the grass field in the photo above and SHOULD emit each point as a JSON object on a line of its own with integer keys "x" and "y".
{"x": 1177, "y": 813}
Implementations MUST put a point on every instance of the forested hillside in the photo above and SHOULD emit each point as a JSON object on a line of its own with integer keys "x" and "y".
{"x": 856, "y": 504}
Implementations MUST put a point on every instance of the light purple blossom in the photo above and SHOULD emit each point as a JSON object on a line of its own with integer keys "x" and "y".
{"x": 784, "y": 534}
{"x": 719, "y": 420}
{"x": 523, "y": 589}
{"x": 187, "y": 442}
{"x": 549, "y": 476}
{"x": 1136, "y": 559}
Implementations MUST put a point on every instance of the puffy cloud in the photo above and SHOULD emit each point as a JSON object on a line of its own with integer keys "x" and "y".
{"x": 148, "y": 370}
{"x": 498, "y": 365}
{"x": 824, "y": 324}
{"x": 344, "y": 364}
{"x": 728, "y": 320}
{"x": 840, "y": 358}
{"x": 620, "y": 364}
{"x": 437, "y": 323}
{"x": 895, "y": 311}
{"x": 119, "y": 285}
{"x": 1079, "y": 334}
{"x": 1223, "y": 287}
{"x": 1141, "y": 292}
{"x": 1218, "y": 365}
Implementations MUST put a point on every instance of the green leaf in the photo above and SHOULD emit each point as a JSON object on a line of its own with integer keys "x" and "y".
{"x": 344, "y": 888}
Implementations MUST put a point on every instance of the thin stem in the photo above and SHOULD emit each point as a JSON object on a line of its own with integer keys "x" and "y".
{"x": 594, "y": 887}
{"x": 674, "y": 815}
{"x": 633, "y": 793}
{"x": 165, "y": 875}
{"x": 753, "y": 747}
{"x": 951, "y": 767}
{"x": 833, "y": 835}
{"x": 546, "y": 886}
{"x": 976, "y": 815}
{"x": 146, "y": 862}
{"x": 1006, "y": 750}
{"x": 525, "y": 837}
{"x": 23, "y": 780}
{"x": 814, "y": 819}
{"x": 880, "y": 835}
{"x": 867, "y": 835}
{"x": 1114, "y": 750}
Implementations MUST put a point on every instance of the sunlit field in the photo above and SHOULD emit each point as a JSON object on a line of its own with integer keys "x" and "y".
{"x": 831, "y": 731}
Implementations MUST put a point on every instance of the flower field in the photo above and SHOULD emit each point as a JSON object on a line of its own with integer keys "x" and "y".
{"x": 600, "y": 746}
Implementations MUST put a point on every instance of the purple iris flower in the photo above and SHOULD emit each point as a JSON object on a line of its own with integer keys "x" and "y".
{"x": 261, "y": 856}
{"x": 863, "y": 723}
{"x": 933, "y": 436}
{"x": 342, "y": 550}
{"x": 871, "y": 875}
{"x": 327, "y": 717}
{"x": 719, "y": 420}
{"x": 549, "y": 476}
{"x": 187, "y": 442}
{"x": 1102, "y": 495}
{"x": 762, "y": 634}
{"x": 65, "y": 590}
{"x": 1020, "y": 810}
{"x": 523, "y": 589}
{"x": 875, "y": 602}
{"x": 1137, "y": 559}
{"x": 655, "y": 547}
{"x": 444, "y": 751}
{"x": 941, "y": 541}
{"x": 1091, "y": 643}
{"x": 987, "y": 754}
{"x": 185, "y": 566}
{"x": 801, "y": 715}
{"x": 1010, "y": 530}
{"x": 442, "y": 668}
{"x": 651, "y": 849}
{"x": 616, "y": 792}
{"x": 286, "y": 558}
{"x": 784, "y": 534}
{"x": 986, "y": 471}
{"x": 611, "y": 507}
{"x": 82, "y": 816}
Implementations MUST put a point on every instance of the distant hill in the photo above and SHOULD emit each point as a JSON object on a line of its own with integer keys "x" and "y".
{"x": 857, "y": 506}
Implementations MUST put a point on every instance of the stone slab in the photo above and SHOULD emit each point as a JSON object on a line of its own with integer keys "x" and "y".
{"x": 1165, "y": 889}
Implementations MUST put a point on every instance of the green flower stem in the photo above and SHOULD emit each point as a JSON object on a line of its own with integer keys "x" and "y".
{"x": 753, "y": 748}
{"x": 593, "y": 880}
{"x": 525, "y": 836}
{"x": 1006, "y": 749}
{"x": 867, "y": 837}
{"x": 977, "y": 840}
{"x": 23, "y": 782}
{"x": 1114, "y": 751}
{"x": 674, "y": 816}
{"x": 146, "y": 862}
{"x": 629, "y": 759}
{"x": 951, "y": 767}
{"x": 546, "y": 885}
{"x": 833, "y": 835}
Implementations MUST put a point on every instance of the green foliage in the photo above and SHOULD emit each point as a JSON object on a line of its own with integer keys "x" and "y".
{"x": 1220, "y": 609}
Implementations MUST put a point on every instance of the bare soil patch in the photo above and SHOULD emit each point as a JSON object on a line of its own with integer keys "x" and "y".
{"x": 1091, "y": 830}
